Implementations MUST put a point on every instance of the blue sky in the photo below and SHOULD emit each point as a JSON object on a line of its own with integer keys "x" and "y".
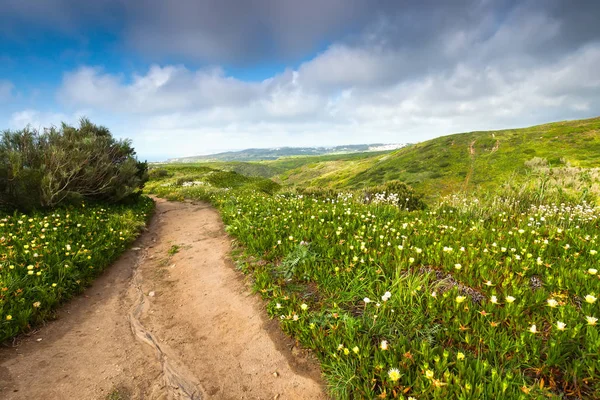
{"x": 195, "y": 77}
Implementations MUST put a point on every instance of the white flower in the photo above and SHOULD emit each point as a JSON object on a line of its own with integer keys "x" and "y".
{"x": 510, "y": 299}
{"x": 593, "y": 252}
{"x": 591, "y": 320}
{"x": 278, "y": 305}
{"x": 590, "y": 298}
{"x": 457, "y": 266}
{"x": 386, "y": 296}
{"x": 494, "y": 300}
{"x": 304, "y": 306}
{"x": 592, "y": 271}
{"x": 552, "y": 303}
{"x": 367, "y": 300}
{"x": 384, "y": 345}
{"x": 561, "y": 326}
{"x": 488, "y": 283}
{"x": 533, "y": 329}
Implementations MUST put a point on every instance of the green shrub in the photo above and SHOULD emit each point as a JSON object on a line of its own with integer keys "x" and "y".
{"x": 60, "y": 165}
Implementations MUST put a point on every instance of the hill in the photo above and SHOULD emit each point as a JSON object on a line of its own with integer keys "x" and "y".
{"x": 464, "y": 161}
{"x": 276, "y": 153}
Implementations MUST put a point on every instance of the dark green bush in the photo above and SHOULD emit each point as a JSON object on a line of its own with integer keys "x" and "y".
{"x": 60, "y": 165}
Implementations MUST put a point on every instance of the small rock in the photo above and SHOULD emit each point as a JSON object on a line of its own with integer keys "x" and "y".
{"x": 135, "y": 248}
{"x": 39, "y": 339}
{"x": 275, "y": 374}
{"x": 151, "y": 294}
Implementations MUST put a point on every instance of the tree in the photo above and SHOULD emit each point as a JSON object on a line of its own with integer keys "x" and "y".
{"x": 57, "y": 165}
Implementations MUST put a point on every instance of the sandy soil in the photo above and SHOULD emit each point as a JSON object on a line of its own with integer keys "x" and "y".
{"x": 160, "y": 326}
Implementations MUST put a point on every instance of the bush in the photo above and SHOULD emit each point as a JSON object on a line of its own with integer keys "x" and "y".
{"x": 60, "y": 165}
{"x": 408, "y": 198}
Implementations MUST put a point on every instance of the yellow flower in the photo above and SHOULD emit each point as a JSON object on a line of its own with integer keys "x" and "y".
{"x": 355, "y": 349}
{"x": 460, "y": 299}
{"x": 8, "y": 317}
{"x": 394, "y": 374}
{"x": 510, "y": 299}
{"x": 460, "y": 356}
{"x": 590, "y": 298}
{"x": 429, "y": 374}
{"x": 37, "y": 304}
{"x": 346, "y": 351}
{"x": 592, "y": 271}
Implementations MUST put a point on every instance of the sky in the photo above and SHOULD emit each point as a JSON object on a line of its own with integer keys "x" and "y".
{"x": 191, "y": 77}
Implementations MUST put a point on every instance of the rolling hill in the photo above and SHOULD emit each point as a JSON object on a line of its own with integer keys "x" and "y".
{"x": 276, "y": 153}
{"x": 460, "y": 161}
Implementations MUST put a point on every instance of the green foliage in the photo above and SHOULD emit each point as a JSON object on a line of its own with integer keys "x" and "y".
{"x": 470, "y": 161}
{"x": 466, "y": 299}
{"x": 173, "y": 250}
{"x": 67, "y": 164}
{"x": 47, "y": 257}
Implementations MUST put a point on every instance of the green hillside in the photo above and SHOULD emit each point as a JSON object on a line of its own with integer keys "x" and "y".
{"x": 467, "y": 161}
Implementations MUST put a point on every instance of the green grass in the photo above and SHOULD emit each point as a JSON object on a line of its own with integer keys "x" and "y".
{"x": 47, "y": 257}
{"x": 479, "y": 291}
{"x": 445, "y": 165}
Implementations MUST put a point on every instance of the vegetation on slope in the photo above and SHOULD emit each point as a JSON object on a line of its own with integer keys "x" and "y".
{"x": 466, "y": 161}
{"x": 86, "y": 186}
{"x": 47, "y": 257}
{"x": 468, "y": 299}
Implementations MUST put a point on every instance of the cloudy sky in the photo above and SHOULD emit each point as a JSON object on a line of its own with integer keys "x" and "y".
{"x": 193, "y": 77}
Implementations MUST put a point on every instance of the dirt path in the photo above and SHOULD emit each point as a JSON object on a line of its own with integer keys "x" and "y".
{"x": 156, "y": 326}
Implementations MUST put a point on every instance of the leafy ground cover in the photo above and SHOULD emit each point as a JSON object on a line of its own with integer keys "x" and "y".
{"x": 466, "y": 299}
{"x": 46, "y": 257}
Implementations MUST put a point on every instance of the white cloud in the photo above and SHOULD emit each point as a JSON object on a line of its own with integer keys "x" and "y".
{"x": 40, "y": 119}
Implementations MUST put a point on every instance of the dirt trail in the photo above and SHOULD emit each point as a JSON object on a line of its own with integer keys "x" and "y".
{"x": 156, "y": 326}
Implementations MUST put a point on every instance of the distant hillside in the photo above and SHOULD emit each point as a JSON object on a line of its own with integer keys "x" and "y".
{"x": 461, "y": 161}
{"x": 276, "y": 153}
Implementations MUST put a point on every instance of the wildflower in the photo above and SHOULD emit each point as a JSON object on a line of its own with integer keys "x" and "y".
{"x": 460, "y": 299}
{"x": 552, "y": 303}
{"x": 533, "y": 329}
{"x": 411, "y": 260}
{"x": 494, "y": 300}
{"x": 278, "y": 305}
{"x": 384, "y": 345}
{"x": 561, "y": 326}
{"x": 346, "y": 351}
{"x": 429, "y": 374}
{"x": 488, "y": 283}
{"x": 460, "y": 356}
{"x": 296, "y": 317}
{"x": 591, "y": 320}
{"x": 367, "y": 300}
{"x": 386, "y": 296}
{"x": 394, "y": 374}
{"x": 510, "y": 299}
{"x": 8, "y": 317}
{"x": 340, "y": 346}
{"x": 291, "y": 238}
{"x": 590, "y": 298}
{"x": 593, "y": 252}
{"x": 37, "y": 304}
{"x": 68, "y": 247}
{"x": 592, "y": 271}
{"x": 355, "y": 349}
{"x": 457, "y": 266}
{"x": 304, "y": 306}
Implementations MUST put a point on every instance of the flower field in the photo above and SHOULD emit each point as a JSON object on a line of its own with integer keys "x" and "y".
{"x": 462, "y": 300}
{"x": 47, "y": 257}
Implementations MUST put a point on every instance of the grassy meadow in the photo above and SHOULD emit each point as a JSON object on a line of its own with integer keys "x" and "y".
{"x": 46, "y": 257}
{"x": 487, "y": 290}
